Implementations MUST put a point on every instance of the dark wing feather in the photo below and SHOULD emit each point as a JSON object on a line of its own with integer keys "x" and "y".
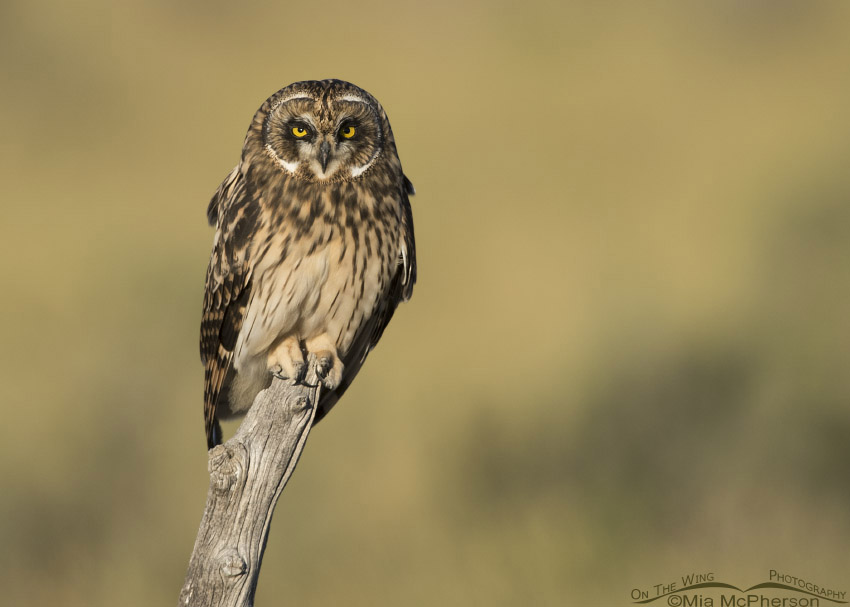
{"x": 401, "y": 289}
{"x": 227, "y": 289}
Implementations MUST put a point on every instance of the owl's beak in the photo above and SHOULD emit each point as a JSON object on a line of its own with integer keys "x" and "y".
{"x": 324, "y": 154}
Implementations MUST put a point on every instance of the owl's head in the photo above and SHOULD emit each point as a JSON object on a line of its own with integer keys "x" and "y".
{"x": 322, "y": 130}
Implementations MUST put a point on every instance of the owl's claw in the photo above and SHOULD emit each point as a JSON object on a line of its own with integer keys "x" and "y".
{"x": 287, "y": 361}
{"x": 324, "y": 365}
{"x": 329, "y": 369}
{"x": 297, "y": 373}
{"x": 328, "y": 365}
{"x": 300, "y": 368}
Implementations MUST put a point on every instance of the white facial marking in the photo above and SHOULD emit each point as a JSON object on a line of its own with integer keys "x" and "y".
{"x": 327, "y": 174}
{"x": 351, "y": 98}
{"x": 294, "y": 96}
{"x": 357, "y": 171}
{"x": 290, "y": 97}
{"x": 289, "y": 167}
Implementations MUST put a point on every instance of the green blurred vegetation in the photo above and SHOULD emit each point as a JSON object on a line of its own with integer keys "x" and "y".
{"x": 626, "y": 358}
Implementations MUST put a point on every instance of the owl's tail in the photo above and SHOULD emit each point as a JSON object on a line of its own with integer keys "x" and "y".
{"x": 214, "y": 436}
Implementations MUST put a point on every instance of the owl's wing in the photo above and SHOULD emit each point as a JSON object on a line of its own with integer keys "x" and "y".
{"x": 227, "y": 290}
{"x": 401, "y": 289}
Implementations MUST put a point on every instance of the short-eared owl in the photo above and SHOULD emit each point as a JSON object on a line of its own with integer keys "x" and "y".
{"x": 313, "y": 247}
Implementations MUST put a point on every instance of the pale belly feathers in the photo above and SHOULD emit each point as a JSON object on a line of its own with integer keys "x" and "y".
{"x": 305, "y": 295}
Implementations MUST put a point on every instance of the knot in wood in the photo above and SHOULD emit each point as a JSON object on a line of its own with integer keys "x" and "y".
{"x": 227, "y": 466}
{"x": 302, "y": 403}
{"x": 231, "y": 564}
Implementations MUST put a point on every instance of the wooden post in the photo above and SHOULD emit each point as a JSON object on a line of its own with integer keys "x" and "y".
{"x": 247, "y": 475}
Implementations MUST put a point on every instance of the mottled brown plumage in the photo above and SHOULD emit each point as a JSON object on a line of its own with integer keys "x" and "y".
{"x": 313, "y": 247}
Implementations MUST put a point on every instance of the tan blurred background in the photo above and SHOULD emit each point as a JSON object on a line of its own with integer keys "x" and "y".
{"x": 626, "y": 358}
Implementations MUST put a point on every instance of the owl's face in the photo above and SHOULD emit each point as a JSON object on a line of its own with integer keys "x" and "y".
{"x": 323, "y": 131}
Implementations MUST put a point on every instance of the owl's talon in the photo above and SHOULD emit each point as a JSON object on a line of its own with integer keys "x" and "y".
{"x": 329, "y": 369}
{"x": 328, "y": 365}
{"x": 287, "y": 362}
{"x": 278, "y": 372}
{"x": 324, "y": 365}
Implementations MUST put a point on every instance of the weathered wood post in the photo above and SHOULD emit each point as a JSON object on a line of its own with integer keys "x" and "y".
{"x": 247, "y": 475}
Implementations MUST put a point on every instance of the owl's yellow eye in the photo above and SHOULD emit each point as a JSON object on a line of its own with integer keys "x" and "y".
{"x": 347, "y": 131}
{"x": 299, "y": 132}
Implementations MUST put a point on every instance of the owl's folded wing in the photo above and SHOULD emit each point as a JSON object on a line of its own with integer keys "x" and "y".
{"x": 227, "y": 290}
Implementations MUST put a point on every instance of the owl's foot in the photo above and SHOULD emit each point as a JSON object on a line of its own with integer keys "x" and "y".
{"x": 287, "y": 361}
{"x": 329, "y": 366}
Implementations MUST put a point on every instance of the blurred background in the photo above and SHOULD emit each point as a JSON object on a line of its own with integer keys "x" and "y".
{"x": 626, "y": 358}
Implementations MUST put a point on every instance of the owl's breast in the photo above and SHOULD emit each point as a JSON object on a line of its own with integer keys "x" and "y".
{"x": 327, "y": 281}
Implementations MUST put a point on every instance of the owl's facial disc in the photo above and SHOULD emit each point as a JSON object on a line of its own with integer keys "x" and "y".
{"x": 323, "y": 150}
{"x": 327, "y": 140}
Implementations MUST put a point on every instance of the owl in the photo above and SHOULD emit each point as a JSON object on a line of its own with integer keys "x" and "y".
{"x": 313, "y": 248}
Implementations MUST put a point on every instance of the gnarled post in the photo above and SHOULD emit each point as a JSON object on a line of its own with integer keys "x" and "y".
{"x": 247, "y": 475}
